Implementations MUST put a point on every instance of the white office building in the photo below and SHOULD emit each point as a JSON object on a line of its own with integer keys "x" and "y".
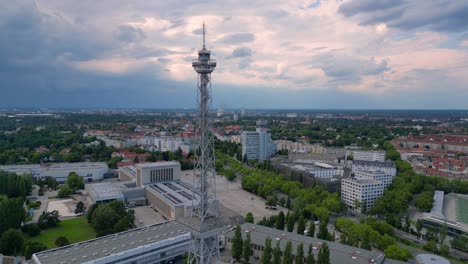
{"x": 378, "y": 155}
{"x": 377, "y": 175}
{"x": 258, "y": 145}
{"x": 362, "y": 190}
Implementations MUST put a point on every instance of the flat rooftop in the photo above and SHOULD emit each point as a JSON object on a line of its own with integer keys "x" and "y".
{"x": 175, "y": 192}
{"x": 339, "y": 253}
{"x": 129, "y": 170}
{"x": 112, "y": 244}
{"x": 104, "y": 191}
{"x": 157, "y": 164}
{"x": 387, "y": 163}
{"x": 362, "y": 180}
{"x": 65, "y": 166}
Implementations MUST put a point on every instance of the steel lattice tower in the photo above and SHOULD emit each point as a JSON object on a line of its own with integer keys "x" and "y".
{"x": 205, "y": 224}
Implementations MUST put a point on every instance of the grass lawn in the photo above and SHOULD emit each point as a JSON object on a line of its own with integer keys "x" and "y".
{"x": 75, "y": 230}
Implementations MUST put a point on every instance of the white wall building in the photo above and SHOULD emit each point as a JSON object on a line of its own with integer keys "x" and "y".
{"x": 363, "y": 190}
{"x": 258, "y": 145}
{"x": 90, "y": 171}
{"x": 148, "y": 173}
{"x": 378, "y": 155}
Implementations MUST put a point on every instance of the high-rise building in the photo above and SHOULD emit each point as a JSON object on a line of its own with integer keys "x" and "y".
{"x": 242, "y": 112}
{"x": 258, "y": 145}
{"x": 365, "y": 187}
{"x": 361, "y": 192}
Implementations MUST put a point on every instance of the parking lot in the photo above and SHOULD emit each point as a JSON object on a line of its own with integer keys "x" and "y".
{"x": 145, "y": 215}
{"x": 232, "y": 196}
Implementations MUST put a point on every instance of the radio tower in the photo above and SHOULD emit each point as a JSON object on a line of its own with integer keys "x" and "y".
{"x": 205, "y": 224}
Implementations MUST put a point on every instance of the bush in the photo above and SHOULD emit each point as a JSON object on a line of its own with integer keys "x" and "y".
{"x": 48, "y": 219}
{"x": 32, "y": 247}
{"x": 31, "y": 229}
{"x": 61, "y": 241}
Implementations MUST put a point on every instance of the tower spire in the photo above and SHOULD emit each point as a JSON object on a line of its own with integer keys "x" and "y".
{"x": 204, "y": 35}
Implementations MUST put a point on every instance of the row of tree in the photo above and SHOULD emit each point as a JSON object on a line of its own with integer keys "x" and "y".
{"x": 13, "y": 185}
{"x": 371, "y": 233}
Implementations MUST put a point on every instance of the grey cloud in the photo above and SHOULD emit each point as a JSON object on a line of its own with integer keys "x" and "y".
{"x": 443, "y": 15}
{"x": 244, "y": 63}
{"x": 352, "y": 8}
{"x": 163, "y": 60}
{"x": 374, "y": 68}
{"x": 127, "y": 33}
{"x": 237, "y": 38}
{"x": 241, "y": 52}
{"x": 347, "y": 69}
{"x": 197, "y": 31}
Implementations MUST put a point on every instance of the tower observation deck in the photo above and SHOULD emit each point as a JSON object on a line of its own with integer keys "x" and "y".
{"x": 205, "y": 224}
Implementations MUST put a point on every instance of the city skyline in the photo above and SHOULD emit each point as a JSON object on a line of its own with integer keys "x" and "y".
{"x": 275, "y": 54}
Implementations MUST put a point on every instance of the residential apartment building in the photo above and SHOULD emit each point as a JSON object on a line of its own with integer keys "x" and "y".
{"x": 258, "y": 145}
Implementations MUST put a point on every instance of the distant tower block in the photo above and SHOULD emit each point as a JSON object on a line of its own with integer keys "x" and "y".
{"x": 204, "y": 223}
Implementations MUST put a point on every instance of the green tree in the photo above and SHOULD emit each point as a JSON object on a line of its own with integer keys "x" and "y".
{"x": 64, "y": 192}
{"x": 237, "y": 243}
{"x": 443, "y": 233}
{"x": 11, "y": 242}
{"x": 33, "y": 247}
{"x": 249, "y": 218}
{"x": 431, "y": 246}
{"x": 300, "y": 254}
{"x": 323, "y": 231}
{"x": 287, "y": 254}
{"x": 301, "y": 226}
{"x": 104, "y": 219}
{"x": 277, "y": 254}
{"x": 280, "y": 221}
{"x": 75, "y": 182}
{"x": 444, "y": 250}
{"x": 396, "y": 252}
{"x": 311, "y": 229}
{"x": 324, "y": 254}
{"x": 310, "y": 256}
{"x": 385, "y": 241}
{"x": 419, "y": 224}
{"x": 290, "y": 222}
{"x": 61, "y": 241}
{"x": 80, "y": 208}
{"x": 247, "y": 251}
{"x": 365, "y": 242}
{"x": 460, "y": 242}
{"x": 267, "y": 252}
{"x": 288, "y": 203}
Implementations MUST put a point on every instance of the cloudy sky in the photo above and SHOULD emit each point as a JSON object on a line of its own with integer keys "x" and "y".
{"x": 271, "y": 54}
